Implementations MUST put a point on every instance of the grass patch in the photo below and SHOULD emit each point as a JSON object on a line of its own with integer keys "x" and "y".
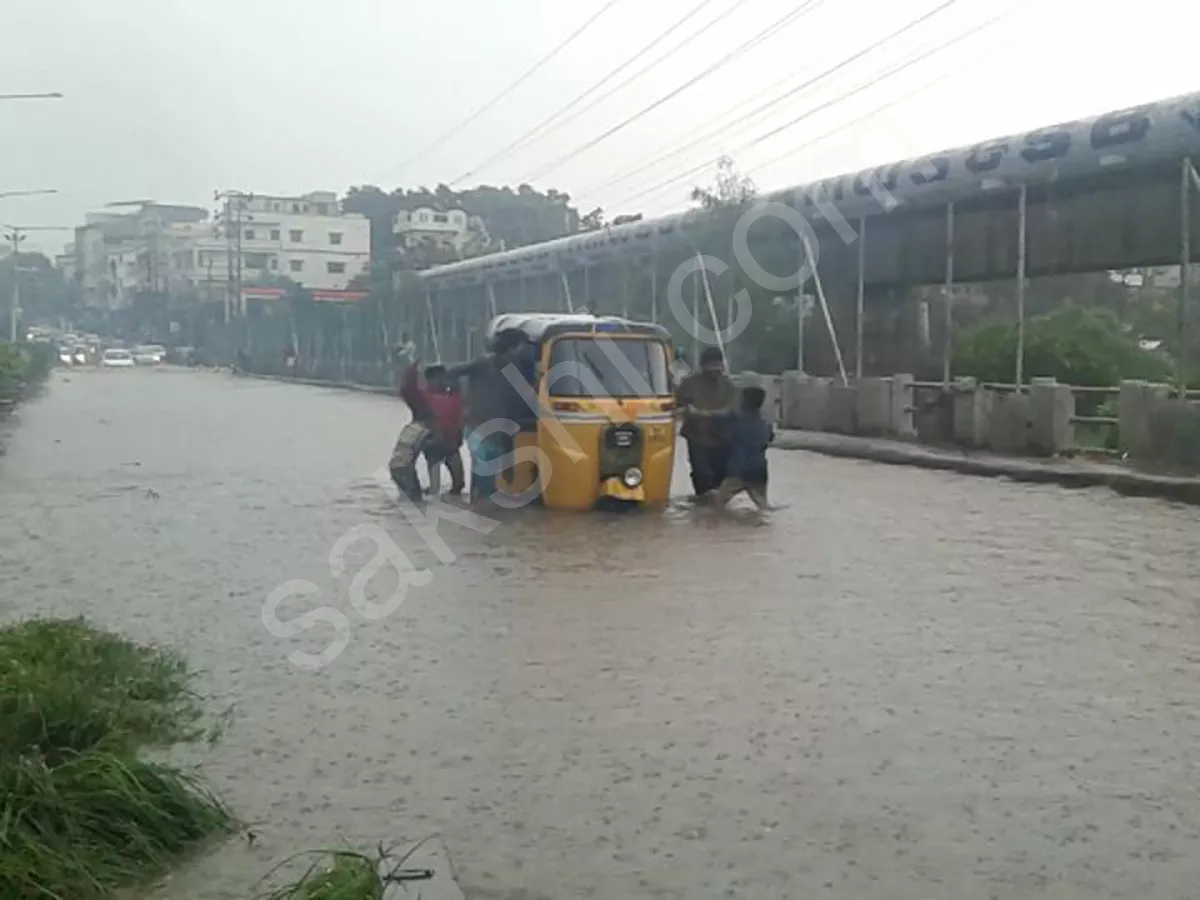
{"x": 80, "y": 813}
{"x": 66, "y": 688}
{"x": 85, "y": 827}
{"x": 348, "y": 875}
{"x": 337, "y": 875}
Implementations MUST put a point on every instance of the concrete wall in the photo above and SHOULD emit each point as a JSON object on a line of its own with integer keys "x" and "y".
{"x": 1135, "y": 405}
{"x": 1051, "y": 407}
{"x": 1007, "y": 426}
{"x": 1038, "y": 421}
{"x": 1174, "y": 433}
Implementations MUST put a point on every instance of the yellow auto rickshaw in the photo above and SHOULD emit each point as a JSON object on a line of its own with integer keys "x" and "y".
{"x": 604, "y": 427}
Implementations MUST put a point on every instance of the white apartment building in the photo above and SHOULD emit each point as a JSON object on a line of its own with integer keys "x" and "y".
{"x": 307, "y": 239}
{"x": 452, "y": 228}
{"x": 174, "y": 249}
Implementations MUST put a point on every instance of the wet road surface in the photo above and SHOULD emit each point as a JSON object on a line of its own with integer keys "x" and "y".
{"x": 905, "y": 685}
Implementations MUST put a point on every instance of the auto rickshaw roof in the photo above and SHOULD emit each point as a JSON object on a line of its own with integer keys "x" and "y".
{"x": 538, "y": 327}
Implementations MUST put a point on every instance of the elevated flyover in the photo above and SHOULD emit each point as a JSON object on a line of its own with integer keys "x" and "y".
{"x": 1106, "y": 192}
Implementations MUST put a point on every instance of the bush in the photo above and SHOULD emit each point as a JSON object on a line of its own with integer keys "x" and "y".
{"x": 42, "y": 358}
{"x": 1074, "y": 345}
{"x": 14, "y": 369}
{"x": 22, "y": 365}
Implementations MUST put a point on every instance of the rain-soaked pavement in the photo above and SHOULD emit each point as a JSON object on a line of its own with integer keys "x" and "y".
{"x": 906, "y": 685}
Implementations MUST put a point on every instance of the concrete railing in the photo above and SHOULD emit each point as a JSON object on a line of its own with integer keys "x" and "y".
{"x": 1153, "y": 423}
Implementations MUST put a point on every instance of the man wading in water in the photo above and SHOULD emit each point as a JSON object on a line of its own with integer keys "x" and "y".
{"x": 707, "y": 400}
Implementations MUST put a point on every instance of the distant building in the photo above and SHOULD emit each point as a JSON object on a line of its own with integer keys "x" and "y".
{"x": 65, "y": 262}
{"x": 307, "y": 239}
{"x": 252, "y": 239}
{"x": 446, "y": 230}
{"x": 118, "y": 255}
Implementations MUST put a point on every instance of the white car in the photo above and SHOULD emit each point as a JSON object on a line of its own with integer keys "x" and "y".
{"x": 117, "y": 359}
{"x": 149, "y": 355}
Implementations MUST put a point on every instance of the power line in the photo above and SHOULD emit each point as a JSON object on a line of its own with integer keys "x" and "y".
{"x": 768, "y": 105}
{"x": 524, "y": 139}
{"x": 661, "y": 58}
{"x": 510, "y": 88}
{"x": 767, "y": 33}
{"x": 811, "y": 112}
{"x": 616, "y": 179}
{"x": 920, "y": 88}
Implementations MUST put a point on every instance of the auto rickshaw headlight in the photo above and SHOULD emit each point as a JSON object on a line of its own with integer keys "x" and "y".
{"x": 632, "y": 477}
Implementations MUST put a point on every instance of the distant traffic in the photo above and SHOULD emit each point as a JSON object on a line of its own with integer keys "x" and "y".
{"x": 92, "y": 350}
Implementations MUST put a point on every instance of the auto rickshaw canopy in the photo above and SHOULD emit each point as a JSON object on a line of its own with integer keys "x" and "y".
{"x": 538, "y": 327}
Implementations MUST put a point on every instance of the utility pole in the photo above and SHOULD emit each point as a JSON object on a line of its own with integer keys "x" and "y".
{"x": 52, "y": 96}
{"x": 235, "y": 205}
{"x": 14, "y": 306}
{"x": 229, "y": 294}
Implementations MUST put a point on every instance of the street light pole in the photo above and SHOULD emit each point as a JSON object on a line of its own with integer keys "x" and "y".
{"x": 15, "y": 237}
{"x": 6, "y": 194}
{"x": 51, "y": 96}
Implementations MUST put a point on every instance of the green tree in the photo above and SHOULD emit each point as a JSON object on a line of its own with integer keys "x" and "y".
{"x": 1074, "y": 345}
{"x": 729, "y": 188}
{"x": 46, "y": 296}
{"x": 511, "y": 218}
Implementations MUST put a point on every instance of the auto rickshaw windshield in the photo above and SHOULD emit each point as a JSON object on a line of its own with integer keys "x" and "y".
{"x": 607, "y": 367}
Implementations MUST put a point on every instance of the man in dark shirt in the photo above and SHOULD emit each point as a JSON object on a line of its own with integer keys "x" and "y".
{"x": 490, "y": 396}
{"x": 752, "y": 434}
{"x": 706, "y": 400}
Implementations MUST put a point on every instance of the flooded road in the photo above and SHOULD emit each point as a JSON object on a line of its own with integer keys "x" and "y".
{"x": 906, "y": 685}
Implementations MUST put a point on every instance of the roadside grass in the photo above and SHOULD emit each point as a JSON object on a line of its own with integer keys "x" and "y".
{"x": 349, "y": 875}
{"x": 334, "y": 875}
{"x": 88, "y": 826}
{"x": 81, "y": 814}
{"x": 66, "y": 688}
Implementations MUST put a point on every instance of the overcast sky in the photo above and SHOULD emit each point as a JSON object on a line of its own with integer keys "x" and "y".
{"x": 173, "y": 99}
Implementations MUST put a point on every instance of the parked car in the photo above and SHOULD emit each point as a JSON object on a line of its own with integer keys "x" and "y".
{"x": 116, "y": 358}
{"x": 149, "y": 354}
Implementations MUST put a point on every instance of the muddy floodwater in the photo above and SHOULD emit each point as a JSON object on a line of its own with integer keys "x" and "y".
{"x": 904, "y": 685}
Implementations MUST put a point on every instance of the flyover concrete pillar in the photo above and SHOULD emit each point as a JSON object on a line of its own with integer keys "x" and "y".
{"x": 873, "y": 406}
{"x": 1135, "y": 409}
{"x": 971, "y": 410}
{"x": 903, "y": 413}
{"x": 841, "y": 413}
{"x": 792, "y": 397}
{"x": 806, "y": 402}
{"x": 1008, "y": 423}
{"x": 1051, "y": 408}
